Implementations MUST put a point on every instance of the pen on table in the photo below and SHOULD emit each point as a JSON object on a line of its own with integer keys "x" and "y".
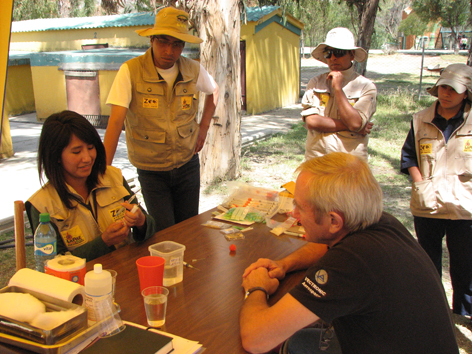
{"x": 129, "y": 201}
{"x": 293, "y": 234}
{"x": 190, "y": 266}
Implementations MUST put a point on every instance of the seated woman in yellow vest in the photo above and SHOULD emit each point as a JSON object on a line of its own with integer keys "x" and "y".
{"x": 83, "y": 196}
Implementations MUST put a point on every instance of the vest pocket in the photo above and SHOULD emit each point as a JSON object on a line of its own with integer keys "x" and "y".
{"x": 423, "y": 196}
{"x": 148, "y": 146}
{"x": 188, "y": 129}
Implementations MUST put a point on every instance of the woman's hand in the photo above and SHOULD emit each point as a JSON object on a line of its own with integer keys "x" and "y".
{"x": 136, "y": 218}
{"x": 115, "y": 233}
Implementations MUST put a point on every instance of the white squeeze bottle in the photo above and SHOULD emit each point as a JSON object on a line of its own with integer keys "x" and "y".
{"x": 45, "y": 242}
{"x": 98, "y": 286}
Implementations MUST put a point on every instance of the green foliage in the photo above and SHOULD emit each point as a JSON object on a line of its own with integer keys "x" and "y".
{"x": 413, "y": 25}
{"x": 318, "y": 16}
{"x": 451, "y": 13}
{"x": 28, "y": 9}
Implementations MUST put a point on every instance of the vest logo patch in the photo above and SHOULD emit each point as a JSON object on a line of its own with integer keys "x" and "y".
{"x": 468, "y": 145}
{"x": 116, "y": 215}
{"x": 186, "y": 102}
{"x": 150, "y": 103}
{"x": 426, "y": 149}
{"x": 324, "y": 98}
{"x": 73, "y": 237}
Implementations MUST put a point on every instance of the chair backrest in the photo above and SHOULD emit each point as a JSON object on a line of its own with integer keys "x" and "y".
{"x": 19, "y": 223}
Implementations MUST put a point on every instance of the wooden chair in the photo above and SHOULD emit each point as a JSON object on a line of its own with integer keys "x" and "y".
{"x": 19, "y": 225}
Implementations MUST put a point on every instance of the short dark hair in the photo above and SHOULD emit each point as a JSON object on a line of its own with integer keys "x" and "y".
{"x": 56, "y": 134}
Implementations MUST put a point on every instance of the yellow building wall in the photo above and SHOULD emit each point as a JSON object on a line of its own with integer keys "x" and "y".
{"x": 275, "y": 85}
{"x": 6, "y": 145}
{"x": 50, "y": 41}
{"x": 49, "y": 87}
{"x": 19, "y": 96}
{"x": 105, "y": 80}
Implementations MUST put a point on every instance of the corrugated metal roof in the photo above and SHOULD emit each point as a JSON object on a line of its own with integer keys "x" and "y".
{"x": 256, "y": 13}
{"x": 58, "y": 24}
{"x": 125, "y": 20}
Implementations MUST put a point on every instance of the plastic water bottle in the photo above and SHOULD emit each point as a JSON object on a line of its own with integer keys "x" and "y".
{"x": 45, "y": 242}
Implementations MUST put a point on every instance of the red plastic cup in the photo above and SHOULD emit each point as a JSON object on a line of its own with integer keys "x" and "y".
{"x": 151, "y": 271}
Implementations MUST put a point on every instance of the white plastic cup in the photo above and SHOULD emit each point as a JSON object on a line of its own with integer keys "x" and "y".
{"x": 155, "y": 304}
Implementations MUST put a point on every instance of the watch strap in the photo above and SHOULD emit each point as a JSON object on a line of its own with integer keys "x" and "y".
{"x": 251, "y": 290}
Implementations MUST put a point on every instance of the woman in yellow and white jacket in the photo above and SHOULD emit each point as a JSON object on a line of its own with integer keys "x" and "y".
{"x": 437, "y": 154}
{"x": 86, "y": 199}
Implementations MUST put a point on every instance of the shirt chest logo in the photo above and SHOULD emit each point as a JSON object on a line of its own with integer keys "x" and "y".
{"x": 150, "y": 103}
{"x": 186, "y": 103}
{"x": 468, "y": 145}
{"x": 117, "y": 214}
{"x": 324, "y": 98}
{"x": 426, "y": 149}
{"x": 73, "y": 237}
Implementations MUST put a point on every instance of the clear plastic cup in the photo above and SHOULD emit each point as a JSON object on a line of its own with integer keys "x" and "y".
{"x": 155, "y": 304}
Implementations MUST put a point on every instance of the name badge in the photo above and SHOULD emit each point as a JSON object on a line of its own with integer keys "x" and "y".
{"x": 150, "y": 103}
{"x": 324, "y": 98}
{"x": 115, "y": 213}
{"x": 426, "y": 149}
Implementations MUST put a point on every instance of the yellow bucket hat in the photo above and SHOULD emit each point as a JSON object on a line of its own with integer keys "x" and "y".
{"x": 171, "y": 22}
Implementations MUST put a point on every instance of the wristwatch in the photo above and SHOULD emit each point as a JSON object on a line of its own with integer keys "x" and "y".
{"x": 254, "y": 289}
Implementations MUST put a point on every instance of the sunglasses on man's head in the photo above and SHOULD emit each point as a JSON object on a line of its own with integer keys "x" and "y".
{"x": 338, "y": 53}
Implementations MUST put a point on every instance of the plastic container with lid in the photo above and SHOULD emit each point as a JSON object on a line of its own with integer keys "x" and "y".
{"x": 173, "y": 253}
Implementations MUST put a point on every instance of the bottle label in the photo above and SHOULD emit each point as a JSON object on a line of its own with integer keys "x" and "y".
{"x": 45, "y": 249}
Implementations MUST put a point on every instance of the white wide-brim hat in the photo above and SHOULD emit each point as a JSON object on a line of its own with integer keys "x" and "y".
{"x": 171, "y": 22}
{"x": 339, "y": 38}
{"x": 458, "y": 76}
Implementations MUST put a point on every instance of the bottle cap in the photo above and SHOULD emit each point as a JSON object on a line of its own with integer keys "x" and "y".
{"x": 44, "y": 217}
{"x": 97, "y": 268}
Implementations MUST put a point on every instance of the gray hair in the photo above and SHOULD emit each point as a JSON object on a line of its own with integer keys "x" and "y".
{"x": 343, "y": 183}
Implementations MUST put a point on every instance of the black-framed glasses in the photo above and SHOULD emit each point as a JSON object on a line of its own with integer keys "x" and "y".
{"x": 338, "y": 53}
{"x": 325, "y": 337}
{"x": 165, "y": 43}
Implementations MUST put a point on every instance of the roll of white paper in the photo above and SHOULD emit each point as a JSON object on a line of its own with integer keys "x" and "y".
{"x": 49, "y": 285}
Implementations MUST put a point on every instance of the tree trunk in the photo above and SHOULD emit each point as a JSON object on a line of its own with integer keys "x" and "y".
{"x": 367, "y": 14}
{"x": 469, "y": 59}
{"x": 218, "y": 24}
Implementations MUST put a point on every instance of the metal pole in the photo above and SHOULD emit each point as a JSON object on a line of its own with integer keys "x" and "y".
{"x": 421, "y": 74}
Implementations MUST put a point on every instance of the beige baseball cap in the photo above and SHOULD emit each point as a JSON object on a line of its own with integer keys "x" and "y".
{"x": 171, "y": 22}
{"x": 339, "y": 38}
{"x": 458, "y": 76}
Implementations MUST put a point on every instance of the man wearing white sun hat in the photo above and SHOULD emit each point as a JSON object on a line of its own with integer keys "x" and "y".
{"x": 156, "y": 97}
{"x": 338, "y": 105}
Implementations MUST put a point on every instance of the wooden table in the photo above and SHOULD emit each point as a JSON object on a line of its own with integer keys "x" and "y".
{"x": 205, "y": 306}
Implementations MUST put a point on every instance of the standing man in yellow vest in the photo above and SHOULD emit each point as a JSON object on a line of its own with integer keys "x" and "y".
{"x": 338, "y": 105}
{"x": 156, "y": 97}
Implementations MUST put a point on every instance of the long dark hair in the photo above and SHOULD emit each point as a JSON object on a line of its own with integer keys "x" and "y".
{"x": 55, "y": 136}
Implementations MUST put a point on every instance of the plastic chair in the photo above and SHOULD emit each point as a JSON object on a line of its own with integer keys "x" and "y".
{"x": 19, "y": 225}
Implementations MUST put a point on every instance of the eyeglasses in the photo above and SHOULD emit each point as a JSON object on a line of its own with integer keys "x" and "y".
{"x": 338, "y": 53}
{"x": 165, "y": 43}
{"x": 325, "y": 337}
